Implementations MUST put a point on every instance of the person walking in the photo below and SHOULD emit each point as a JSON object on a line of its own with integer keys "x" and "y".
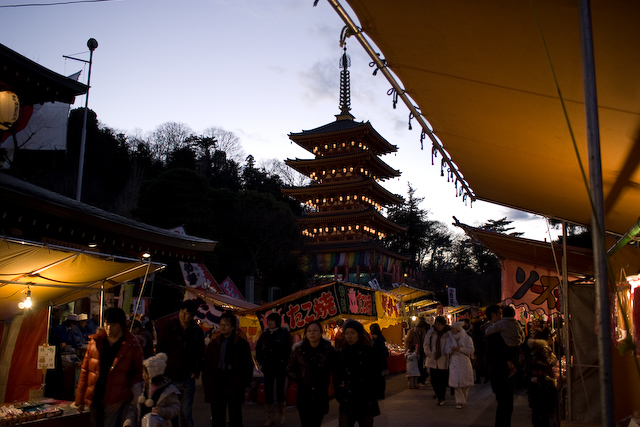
{"x": 416, "y": 336}
{"x": 435, "y": 348}
{"x": 272, "y": 353}
{"x": 310, "y": 368}
{"x": 460, "y": 368}
{"x": 228, "y": 370}
{"x": 379, "y": 344}
{"x": 182, "y": 340}
{"x": 411, "y": 368}
{"x": 156, "y": 396}
{"x": 112, "y": 365}
{"x": 497, "y": 357}
{"x": 356, "y": 378}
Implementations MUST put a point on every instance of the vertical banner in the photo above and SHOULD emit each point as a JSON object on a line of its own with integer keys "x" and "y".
{"x": 230, "y": 289}
{"x": 126, "y": 295}
{"x": 453, "y": 300}
{"x": 335, "y": 272}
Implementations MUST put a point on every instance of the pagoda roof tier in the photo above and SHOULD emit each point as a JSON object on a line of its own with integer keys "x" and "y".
{"x": 336, "y": 247}
{"x": 361, "y": 186}
{"x": 377, "y": 167}
{"x": 370, "y": 215}
{"x": 343, "y": 130}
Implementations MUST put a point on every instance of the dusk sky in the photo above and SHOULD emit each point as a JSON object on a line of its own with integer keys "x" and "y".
{"x": 260, "y": 69}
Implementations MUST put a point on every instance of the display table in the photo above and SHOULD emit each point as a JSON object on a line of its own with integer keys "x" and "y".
{"x": 47, "y": 412}
{"x": 396, "y": 363}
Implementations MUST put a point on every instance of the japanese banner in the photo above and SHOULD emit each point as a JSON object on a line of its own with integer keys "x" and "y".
{"x": 388, "y": 306}
{"x": 537, "y": 287}
{"x": 327, "y": 302}
{"x": 198, "y": 276}
{"x": 230, "y": 289}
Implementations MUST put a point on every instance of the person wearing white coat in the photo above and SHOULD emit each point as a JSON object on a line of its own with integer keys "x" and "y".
{"x": 460, "y": 351}
{"x": 436, "y": 343}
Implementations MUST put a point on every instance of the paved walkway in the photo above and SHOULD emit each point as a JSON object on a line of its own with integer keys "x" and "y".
{"x": 402, "y": 407}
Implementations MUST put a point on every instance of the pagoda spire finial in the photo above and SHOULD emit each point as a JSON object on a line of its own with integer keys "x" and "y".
{"x": 345, "y": 88}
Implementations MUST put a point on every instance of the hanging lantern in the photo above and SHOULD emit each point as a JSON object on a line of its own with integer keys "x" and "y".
{"x": 9, "y": 109}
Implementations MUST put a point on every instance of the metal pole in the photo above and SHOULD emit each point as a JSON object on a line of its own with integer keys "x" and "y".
{"x": 566, "y": 325}
{"x": 597, "y": 217}
{"x": 92, "y": 44}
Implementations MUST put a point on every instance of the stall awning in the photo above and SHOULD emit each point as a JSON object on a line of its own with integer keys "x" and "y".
{"x": 482, "y": 73}
{"x": 409, "y": 293}
{"x": 57, "y": 275}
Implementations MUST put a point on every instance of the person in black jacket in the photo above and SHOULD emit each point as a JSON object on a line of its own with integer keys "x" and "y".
{"x": 356, "y": 378}
{"x": 272, "y": 353}
{"x": 497, "y": 356}
{"x": 228, "y": 370}
{"x": 182, "y": 340}
{"x": 310, "y": 368}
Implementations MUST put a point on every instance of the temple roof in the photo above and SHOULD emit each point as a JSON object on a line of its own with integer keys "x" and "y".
{"x": 32, "y": 212}
{"x": 347, "y": 129}
{"x": 369, "y": 245}
{"x": 371, "y": 214}
{"x": 33, "y": 83}
{"x": 306, "y": 166}
{"x": 379, "y": 193}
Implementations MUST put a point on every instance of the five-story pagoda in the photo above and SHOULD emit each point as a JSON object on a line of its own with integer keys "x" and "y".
{"x": 344, "y": 203}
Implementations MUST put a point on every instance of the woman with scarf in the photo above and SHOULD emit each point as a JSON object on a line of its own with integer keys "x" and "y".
{"x": 356, "y": 378}
{"x": 460, "y": 368}
{"x": 436, "y": 347}
{"x": 310, "y": 368}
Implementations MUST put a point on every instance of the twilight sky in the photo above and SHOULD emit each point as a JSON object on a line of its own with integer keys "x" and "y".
{"x": 258, "y": 68}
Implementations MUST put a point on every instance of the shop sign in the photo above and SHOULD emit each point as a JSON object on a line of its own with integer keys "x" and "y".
{"x": 337, "y": 299}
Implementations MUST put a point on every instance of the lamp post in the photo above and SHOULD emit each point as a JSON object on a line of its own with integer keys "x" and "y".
{"x": 92, "y": 44}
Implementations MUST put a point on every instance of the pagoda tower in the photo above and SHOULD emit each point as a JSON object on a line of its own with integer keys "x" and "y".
{"x": 344, "y": 220}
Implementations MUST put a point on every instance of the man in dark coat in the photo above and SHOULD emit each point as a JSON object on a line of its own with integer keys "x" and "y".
{"x": 183, "y": 342}
{"x": 228, "y": 370}
{"x": 356, "y": 377}
{"x": 497, "y": 356}
{"x": 272, "y": 353}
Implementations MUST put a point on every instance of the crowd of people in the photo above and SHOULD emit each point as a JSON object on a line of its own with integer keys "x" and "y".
{"x": 123, "y": 383}
{"x": 495, "y": 349}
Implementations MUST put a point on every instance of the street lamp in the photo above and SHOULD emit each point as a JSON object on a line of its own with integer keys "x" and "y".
{"x": 92, "y": 44}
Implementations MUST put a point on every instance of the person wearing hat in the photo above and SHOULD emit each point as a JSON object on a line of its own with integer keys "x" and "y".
{"x": 182, "y": 340}
{"x": 78, "y": 336}
{"x": 112, "y": 365}
{"x": 356, "y": 377}
{"x": 272, "y": 354}
{"x": 460, "y": 350}
{"x": 156, "y": 397}
{"x": 62, "y": 335}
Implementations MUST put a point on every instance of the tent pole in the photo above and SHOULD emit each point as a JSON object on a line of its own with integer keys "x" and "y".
{"x": 101, "y": 304}
{"x": 597, "y": 217}
{"x": 567, "y": 319}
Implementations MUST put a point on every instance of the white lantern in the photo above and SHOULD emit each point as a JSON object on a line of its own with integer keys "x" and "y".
{"x": 9, "y": 109}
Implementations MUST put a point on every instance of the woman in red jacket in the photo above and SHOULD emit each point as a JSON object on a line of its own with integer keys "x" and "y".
{"x": 111, "y": 366}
